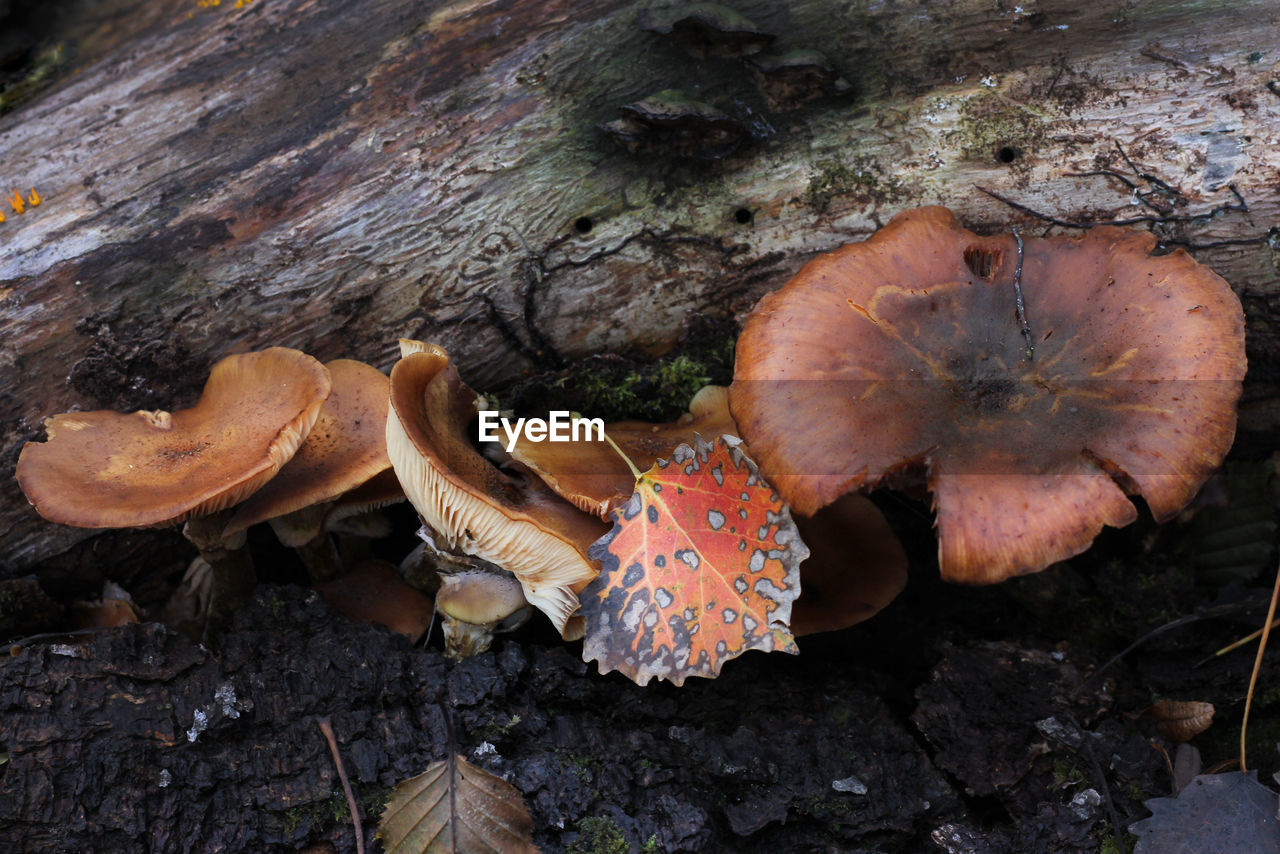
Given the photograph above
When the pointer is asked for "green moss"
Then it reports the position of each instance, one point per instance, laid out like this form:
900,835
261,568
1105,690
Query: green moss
496,730
598,834
1108,845
1067,775
650,845
373,800
294,817
861,180
658,393
334,810
830,811
615,387
1269,697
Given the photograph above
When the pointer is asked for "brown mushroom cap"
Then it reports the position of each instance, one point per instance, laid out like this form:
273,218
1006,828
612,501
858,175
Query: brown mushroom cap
906,351
378,491
346,447
112,470
592,475
510,518
374,592
856,566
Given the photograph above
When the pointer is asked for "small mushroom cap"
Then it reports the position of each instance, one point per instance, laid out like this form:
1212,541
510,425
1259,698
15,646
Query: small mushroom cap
346,447
476,603
592,475
375,592
112,470
856,566
479,596
905,352
508,517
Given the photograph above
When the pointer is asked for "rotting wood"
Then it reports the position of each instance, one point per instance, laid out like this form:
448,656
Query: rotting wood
331,176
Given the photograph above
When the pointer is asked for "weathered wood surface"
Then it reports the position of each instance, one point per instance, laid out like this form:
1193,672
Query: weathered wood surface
333,175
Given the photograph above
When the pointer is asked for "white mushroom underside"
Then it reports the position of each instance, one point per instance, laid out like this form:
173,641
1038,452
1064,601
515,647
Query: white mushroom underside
546,566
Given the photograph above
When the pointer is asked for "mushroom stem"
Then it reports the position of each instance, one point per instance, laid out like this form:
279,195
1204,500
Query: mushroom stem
304,532
231,565
474,598
320,558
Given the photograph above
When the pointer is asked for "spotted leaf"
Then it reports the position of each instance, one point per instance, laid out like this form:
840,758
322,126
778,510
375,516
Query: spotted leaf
702,564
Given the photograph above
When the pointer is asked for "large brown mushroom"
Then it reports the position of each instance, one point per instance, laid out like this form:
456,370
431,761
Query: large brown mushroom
508,517
1035,381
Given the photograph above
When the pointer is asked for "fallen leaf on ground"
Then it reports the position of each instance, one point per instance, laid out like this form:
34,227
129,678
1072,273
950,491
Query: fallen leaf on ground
1225,813
453,807
702,564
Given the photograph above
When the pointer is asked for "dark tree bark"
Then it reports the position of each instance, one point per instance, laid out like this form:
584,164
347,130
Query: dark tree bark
136,739
334,175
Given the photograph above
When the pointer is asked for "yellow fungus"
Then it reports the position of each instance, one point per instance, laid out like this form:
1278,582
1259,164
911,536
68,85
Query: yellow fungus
17,203
33,198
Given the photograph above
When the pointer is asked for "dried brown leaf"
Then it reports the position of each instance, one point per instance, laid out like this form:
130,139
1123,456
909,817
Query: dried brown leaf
1179,720
454,807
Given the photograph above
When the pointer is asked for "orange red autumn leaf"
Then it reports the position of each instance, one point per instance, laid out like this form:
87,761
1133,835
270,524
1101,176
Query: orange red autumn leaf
702,564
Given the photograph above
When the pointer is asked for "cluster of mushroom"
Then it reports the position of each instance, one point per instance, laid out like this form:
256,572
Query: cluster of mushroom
536,511
276,436
1034,383
323,441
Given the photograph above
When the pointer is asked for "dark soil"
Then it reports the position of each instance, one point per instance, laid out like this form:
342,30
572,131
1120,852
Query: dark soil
959,720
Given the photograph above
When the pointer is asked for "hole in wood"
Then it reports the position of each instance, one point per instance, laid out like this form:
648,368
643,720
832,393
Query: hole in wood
1006,154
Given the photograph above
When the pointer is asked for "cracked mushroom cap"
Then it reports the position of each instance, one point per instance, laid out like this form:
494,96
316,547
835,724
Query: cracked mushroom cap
591,475
113,470
345,449
508,517
905,353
